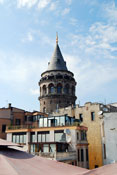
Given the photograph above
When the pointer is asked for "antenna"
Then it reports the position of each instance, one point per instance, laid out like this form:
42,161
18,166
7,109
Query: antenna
105,101
56,37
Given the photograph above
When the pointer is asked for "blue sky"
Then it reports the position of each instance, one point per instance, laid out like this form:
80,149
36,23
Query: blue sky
87,37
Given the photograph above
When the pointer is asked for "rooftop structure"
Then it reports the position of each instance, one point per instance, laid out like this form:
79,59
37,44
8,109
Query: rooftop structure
60,138
15,116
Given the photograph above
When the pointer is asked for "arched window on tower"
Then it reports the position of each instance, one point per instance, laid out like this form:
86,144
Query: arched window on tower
44,90
51,88
59,88
73,90
66,89
44,109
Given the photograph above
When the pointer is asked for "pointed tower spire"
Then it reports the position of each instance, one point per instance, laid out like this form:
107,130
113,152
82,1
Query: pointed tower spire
57,61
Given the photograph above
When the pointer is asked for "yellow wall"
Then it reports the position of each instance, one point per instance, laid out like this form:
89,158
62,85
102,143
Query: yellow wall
93,133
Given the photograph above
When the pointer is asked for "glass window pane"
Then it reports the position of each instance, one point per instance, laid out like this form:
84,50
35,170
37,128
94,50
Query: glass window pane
45,122
14,138
24,138
57,121
49,123
82,155
52,148
33,137
62,121
58,137
41,122
47,137
21,138
67,120
32,148
43,138
17,138
45,148
39,137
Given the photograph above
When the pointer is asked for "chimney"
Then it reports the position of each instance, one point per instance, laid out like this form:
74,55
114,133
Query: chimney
9,105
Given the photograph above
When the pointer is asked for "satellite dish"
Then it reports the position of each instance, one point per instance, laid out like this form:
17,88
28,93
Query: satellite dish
68,132
68,139
100,112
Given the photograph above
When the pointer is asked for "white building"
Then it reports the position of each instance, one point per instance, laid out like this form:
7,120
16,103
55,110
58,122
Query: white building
109,137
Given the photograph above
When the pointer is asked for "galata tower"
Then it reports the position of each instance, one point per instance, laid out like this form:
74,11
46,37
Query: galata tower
57,84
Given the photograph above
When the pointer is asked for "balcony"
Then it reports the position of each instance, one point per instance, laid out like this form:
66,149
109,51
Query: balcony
59,156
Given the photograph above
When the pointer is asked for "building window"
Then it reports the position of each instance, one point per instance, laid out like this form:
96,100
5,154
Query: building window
96,166
32,148
81,117
44,109
43,136
52,148
45,148
62,121
82,155
59,88
3,128
66,89
78,155
59,136
87,156
18,122
77,135
51,88
44,90
19,138
92,116
83,135
33,137
104,151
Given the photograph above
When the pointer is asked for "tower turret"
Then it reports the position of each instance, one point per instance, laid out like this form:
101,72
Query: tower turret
57,84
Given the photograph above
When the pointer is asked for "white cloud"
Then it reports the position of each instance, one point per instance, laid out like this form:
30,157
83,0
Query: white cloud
34,91
100,41
90,75
91,3
20,70
1,1
65,11
43,3
53,5
69,2
26,3
110,11
29,37
73,21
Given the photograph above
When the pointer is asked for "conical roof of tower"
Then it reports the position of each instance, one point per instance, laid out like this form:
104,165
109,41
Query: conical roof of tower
57,61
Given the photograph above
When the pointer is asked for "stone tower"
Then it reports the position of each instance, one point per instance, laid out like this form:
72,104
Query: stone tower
57,84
